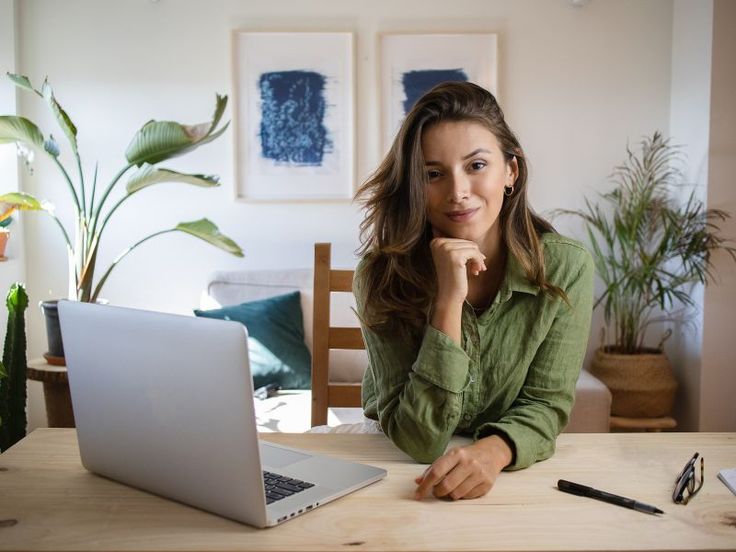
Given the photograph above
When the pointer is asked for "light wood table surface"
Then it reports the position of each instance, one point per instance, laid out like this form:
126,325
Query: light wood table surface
49,502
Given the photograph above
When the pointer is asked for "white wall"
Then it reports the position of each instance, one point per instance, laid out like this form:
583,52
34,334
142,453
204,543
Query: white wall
690,127
718,380
575,83
13,269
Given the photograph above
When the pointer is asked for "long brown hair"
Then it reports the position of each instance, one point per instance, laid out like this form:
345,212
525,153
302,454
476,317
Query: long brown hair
398,277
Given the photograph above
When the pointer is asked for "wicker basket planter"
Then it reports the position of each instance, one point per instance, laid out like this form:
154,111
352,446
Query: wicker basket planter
642,385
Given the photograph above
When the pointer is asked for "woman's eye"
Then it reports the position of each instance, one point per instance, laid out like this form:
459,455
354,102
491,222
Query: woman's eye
477,165
432,174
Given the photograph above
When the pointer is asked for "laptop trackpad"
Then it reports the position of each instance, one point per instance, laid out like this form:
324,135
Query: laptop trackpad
275,457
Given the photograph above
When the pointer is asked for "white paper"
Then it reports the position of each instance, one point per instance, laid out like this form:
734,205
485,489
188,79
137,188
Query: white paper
728,476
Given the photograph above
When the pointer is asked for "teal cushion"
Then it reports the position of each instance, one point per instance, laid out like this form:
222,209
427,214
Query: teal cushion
275,339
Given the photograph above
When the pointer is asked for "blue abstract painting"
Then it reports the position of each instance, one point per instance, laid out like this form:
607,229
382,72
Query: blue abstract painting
293,105
416,83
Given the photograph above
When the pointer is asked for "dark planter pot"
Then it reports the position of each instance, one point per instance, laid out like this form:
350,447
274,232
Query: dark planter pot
53,330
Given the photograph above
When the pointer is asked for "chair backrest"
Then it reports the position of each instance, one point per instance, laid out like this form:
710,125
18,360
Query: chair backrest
325,337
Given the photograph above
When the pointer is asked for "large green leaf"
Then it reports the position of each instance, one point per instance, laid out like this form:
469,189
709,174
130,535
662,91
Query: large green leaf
21,81
206,230
160,140
220,104
19,129
148,175
18,200
61,116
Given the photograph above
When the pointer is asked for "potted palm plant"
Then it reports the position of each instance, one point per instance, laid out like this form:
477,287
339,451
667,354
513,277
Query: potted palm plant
649,250
155,142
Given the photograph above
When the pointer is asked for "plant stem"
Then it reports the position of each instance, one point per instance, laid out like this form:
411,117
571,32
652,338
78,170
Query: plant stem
120,257
90,235
114,208
63,230
96,214
69,182
94,189
81,184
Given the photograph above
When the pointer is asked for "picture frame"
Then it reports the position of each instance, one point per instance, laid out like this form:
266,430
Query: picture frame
294,114
412,63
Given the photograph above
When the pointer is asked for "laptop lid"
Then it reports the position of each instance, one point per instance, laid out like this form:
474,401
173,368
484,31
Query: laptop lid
164,402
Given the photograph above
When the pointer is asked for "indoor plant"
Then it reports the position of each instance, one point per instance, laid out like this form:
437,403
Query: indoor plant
13,370
649,249
155,142
4,235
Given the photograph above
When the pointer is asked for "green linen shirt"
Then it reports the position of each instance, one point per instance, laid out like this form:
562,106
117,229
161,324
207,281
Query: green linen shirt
514,375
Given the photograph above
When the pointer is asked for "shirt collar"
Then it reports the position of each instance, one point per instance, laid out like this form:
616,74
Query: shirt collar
515,280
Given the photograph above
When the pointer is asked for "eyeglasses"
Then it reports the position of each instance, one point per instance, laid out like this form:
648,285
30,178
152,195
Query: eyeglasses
686,481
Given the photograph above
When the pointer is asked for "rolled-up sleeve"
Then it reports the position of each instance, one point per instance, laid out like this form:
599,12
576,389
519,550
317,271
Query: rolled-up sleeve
414,385
542,407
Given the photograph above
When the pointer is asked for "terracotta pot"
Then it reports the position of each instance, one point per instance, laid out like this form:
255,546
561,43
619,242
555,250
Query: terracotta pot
642,385
4,236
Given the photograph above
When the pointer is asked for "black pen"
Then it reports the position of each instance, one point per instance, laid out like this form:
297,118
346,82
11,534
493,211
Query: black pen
590,492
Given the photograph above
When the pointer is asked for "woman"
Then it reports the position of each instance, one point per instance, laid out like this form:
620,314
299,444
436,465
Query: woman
475,313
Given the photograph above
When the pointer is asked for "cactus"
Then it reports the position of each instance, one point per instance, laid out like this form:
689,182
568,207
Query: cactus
13,371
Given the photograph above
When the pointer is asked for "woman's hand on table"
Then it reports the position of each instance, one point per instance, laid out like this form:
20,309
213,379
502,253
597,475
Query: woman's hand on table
465,472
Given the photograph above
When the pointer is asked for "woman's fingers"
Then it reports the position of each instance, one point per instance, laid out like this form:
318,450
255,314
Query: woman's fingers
479,490
450,485
433,475
461,472
460,253
467,488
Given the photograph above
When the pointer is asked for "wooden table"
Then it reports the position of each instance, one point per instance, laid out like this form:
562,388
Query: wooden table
48,501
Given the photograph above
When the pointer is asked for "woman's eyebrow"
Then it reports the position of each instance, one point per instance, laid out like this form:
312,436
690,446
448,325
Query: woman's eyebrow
476,152
471,154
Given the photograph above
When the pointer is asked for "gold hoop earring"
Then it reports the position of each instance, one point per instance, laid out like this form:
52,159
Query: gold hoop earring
508,190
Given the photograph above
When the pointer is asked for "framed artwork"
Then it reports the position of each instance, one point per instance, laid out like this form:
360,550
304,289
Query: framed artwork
294,115
411,64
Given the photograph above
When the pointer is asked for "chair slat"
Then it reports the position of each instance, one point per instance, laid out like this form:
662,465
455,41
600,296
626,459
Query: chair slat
344,395
345,338
341,280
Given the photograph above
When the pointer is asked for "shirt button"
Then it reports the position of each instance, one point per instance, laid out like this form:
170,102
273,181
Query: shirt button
467,417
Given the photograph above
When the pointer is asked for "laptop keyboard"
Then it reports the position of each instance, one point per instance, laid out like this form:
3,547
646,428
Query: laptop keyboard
280,486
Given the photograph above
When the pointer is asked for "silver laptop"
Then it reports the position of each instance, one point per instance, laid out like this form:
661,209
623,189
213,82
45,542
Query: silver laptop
164,403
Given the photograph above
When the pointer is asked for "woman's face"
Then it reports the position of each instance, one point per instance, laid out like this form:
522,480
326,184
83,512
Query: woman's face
467,173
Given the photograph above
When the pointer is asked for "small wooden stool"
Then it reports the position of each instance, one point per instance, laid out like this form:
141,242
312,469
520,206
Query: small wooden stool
645,424
55,391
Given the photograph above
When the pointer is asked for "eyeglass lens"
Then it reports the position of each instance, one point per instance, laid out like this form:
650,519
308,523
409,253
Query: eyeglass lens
687,481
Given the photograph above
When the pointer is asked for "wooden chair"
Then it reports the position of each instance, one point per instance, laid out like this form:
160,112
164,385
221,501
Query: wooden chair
325,337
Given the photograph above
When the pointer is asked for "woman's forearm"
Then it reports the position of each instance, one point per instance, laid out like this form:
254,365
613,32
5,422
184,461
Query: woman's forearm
447,318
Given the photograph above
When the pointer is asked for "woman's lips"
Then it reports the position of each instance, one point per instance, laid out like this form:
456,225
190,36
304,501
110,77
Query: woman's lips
462,216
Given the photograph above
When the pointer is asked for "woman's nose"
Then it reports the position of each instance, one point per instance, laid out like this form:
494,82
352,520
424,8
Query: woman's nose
459,188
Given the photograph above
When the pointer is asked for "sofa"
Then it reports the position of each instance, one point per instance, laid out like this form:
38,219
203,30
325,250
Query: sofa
290,411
